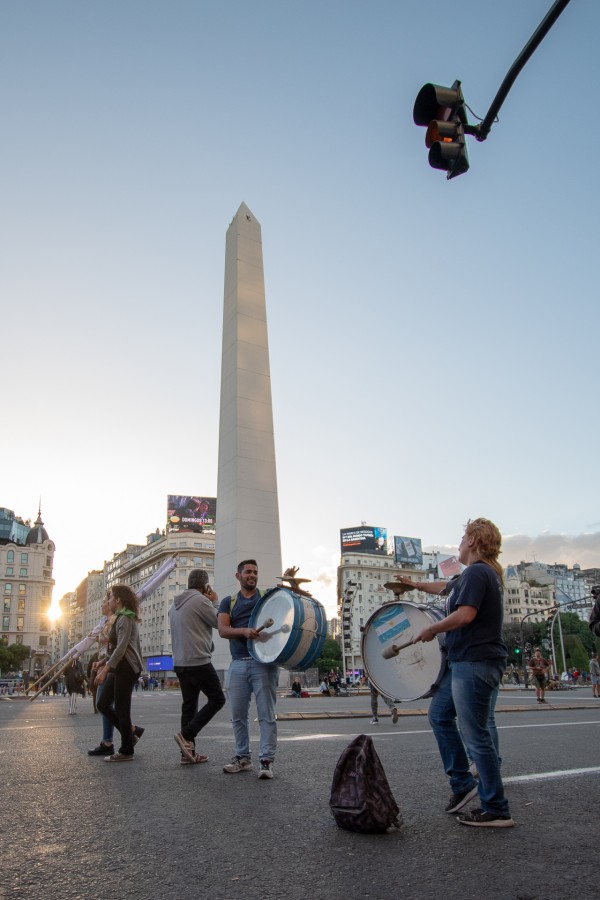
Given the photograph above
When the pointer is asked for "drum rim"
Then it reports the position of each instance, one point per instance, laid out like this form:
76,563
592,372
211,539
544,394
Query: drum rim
296,632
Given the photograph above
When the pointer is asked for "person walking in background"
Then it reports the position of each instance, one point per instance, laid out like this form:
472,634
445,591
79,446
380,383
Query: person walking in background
192,618
125,665
595,675
74,681
476,663
247,676
389,703
539,669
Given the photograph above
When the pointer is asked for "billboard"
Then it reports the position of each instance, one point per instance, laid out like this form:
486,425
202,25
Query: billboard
408,551
159,663
449,567
191,513
364,539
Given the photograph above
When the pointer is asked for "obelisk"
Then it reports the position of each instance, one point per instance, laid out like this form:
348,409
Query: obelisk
247,503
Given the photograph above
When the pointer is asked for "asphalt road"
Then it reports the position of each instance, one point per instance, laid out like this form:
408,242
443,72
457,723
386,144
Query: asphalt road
72,826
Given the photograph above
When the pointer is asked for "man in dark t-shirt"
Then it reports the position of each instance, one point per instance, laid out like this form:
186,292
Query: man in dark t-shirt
476,661
539,669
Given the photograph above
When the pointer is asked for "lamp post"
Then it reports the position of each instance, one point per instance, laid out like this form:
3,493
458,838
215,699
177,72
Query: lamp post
347,598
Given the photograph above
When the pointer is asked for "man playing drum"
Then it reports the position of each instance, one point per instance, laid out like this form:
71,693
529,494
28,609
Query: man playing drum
248,676
477,659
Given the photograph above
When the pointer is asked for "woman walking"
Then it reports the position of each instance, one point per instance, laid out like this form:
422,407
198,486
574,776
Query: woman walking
124,665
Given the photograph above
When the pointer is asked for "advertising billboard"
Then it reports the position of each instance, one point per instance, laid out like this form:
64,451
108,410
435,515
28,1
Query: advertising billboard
449,567
191,513
364,539
159,663
408,551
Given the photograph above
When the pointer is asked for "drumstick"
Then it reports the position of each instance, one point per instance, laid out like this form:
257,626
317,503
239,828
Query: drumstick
394,650
266,624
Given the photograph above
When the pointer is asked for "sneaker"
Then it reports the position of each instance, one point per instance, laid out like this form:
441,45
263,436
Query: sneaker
238,764
198,758
137,733
119,757
457,801
187,747
374,721
101,750
485,819
394,716
266,769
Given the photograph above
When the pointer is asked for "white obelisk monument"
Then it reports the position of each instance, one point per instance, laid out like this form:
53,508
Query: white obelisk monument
247,504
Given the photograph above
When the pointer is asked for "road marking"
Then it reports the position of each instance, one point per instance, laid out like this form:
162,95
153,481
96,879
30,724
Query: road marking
332,736
559,773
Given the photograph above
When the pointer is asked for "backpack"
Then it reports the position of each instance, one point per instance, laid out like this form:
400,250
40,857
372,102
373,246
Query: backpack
361,799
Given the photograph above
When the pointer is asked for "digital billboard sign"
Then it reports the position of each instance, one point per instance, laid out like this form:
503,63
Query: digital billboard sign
191,513
408,551
159,663
364,539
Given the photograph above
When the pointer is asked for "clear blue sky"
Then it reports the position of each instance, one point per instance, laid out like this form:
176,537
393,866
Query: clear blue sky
434,344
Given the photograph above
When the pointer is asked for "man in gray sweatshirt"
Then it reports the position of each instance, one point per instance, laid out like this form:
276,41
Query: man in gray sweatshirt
192,618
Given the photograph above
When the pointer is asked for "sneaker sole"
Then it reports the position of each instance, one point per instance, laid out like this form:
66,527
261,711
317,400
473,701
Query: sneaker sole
466,799
496,823
182,744
264,776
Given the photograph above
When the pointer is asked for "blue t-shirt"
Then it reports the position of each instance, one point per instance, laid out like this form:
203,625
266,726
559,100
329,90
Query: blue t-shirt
479,586
240,617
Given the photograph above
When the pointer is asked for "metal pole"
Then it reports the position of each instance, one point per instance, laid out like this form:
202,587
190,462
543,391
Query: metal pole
482,130
562,643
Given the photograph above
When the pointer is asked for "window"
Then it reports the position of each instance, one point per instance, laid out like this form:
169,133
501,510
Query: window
20,623
9,570
8,588
24,558
23,573
21,606
10,556
7,604
48,561
22,589
43,641
6,621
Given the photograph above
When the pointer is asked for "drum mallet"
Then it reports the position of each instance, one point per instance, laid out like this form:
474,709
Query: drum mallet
266,624
394,650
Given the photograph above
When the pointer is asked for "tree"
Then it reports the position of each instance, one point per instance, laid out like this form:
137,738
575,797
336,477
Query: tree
12,657
331,656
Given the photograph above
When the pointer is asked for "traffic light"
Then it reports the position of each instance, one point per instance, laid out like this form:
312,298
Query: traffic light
517,650
442,110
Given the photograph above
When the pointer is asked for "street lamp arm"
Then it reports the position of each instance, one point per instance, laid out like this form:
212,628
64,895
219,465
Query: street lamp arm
482,130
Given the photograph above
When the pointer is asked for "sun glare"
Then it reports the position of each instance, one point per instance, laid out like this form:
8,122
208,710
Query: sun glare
54,612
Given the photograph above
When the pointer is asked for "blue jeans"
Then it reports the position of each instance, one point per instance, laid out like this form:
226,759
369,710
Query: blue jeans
467,690
107,726
473,686
247,677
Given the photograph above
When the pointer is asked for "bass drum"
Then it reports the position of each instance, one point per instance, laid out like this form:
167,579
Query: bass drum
416,671
296,637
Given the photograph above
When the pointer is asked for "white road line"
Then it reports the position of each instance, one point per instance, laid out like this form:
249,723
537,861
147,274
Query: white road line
333,736
560,773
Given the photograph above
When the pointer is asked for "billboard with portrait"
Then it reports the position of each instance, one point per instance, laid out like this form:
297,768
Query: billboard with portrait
408,551
195,513
449,567
364,539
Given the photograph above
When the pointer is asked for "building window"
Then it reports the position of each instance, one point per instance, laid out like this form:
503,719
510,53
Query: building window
43,641
9,570
22,589
10,556
18,638
23,573
21,606
6,621
8,588
7,604
24,557
48,560
20,623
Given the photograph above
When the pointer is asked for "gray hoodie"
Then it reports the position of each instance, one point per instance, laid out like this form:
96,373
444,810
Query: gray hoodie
192,618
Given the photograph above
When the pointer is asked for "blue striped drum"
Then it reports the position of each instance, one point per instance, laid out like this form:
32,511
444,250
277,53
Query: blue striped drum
296,637
414,672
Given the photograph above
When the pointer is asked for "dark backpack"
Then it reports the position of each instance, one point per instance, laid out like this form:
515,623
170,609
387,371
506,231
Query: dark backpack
361,799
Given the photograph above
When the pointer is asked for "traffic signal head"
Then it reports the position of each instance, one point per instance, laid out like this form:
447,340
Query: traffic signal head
517,650
442,110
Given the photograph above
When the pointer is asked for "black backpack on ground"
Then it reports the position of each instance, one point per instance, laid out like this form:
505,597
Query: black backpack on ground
361,799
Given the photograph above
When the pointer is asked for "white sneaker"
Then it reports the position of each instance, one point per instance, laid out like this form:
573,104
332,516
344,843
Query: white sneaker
374,721
266,769
238,764
394,716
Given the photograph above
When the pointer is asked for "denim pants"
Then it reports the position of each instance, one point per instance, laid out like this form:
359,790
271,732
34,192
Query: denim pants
468,690
119,691
247,677
107,726
192,680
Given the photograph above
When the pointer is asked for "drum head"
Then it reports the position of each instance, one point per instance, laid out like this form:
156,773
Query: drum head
277,604
414,671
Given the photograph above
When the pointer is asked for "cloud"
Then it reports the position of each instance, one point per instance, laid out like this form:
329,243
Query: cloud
583,549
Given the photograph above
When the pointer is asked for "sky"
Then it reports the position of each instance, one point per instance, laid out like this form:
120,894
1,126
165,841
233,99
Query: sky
433,343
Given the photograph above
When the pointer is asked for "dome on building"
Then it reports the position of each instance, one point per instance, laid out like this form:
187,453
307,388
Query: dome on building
37,534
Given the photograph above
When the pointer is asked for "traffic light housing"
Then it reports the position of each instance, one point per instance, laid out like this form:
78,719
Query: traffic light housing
442,110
